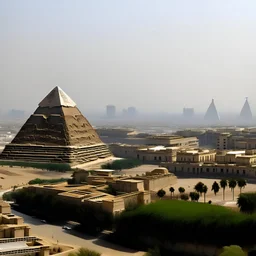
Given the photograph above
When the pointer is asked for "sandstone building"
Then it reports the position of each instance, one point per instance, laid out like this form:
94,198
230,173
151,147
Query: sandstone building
15,238
56,132
240,163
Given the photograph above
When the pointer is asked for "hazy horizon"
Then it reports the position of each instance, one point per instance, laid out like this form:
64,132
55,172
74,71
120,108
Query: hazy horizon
158,56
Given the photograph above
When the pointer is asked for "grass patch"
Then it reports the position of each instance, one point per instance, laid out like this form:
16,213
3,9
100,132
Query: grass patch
122,164
43,166
179,221
45,181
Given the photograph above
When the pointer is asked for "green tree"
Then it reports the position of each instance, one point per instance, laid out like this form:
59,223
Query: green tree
172,191
161,193
215,187
181,190
199,188
205,189
232,250
241,183
223,184
232,184
184,197
194,196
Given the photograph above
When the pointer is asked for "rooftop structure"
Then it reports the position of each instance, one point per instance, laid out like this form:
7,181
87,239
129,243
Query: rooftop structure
56,132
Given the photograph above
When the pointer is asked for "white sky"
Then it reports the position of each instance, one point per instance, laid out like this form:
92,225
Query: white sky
157,55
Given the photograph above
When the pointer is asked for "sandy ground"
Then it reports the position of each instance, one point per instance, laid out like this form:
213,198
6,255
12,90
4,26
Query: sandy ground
189,183
10,176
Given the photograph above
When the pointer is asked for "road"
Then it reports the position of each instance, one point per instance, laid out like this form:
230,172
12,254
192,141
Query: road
54,232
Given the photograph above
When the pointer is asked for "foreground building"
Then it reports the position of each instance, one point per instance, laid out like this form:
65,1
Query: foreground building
15,238
56,132
90,188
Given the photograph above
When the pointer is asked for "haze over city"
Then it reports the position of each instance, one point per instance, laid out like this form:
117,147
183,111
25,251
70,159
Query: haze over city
156,56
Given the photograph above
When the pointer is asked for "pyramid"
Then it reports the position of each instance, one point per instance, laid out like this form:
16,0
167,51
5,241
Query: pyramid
246,113
56,132
211,114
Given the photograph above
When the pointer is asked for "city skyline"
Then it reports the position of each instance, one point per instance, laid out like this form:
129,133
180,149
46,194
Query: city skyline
157,57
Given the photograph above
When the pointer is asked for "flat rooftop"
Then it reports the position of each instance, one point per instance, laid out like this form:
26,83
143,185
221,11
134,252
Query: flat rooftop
236,152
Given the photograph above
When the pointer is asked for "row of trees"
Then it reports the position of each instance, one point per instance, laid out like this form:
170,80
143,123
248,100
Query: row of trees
202,189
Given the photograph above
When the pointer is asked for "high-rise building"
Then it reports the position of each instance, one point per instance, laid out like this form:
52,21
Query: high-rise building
110,111
131,111
246,113
211,115
188,112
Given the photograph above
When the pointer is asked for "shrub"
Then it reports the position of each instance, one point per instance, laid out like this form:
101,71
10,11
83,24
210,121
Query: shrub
184,197
8,196
247,202
232,250
187,222
45,181
122,164
85,252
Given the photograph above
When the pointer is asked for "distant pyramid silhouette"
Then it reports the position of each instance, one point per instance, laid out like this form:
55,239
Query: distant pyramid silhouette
246,113
211,114
56,132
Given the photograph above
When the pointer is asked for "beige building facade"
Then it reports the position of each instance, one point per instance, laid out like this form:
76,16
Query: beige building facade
238,163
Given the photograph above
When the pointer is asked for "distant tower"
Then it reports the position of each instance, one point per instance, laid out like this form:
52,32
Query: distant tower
211,114
246,113
188,112
111,111
131,111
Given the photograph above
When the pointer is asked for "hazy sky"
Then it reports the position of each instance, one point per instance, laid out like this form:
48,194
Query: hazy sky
154,54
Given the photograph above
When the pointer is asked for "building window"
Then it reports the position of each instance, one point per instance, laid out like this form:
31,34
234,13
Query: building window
221,170
237,171
138,156
213,169
207,169
243,171
201,169
188,169
227,171
193,170
160,158
155,158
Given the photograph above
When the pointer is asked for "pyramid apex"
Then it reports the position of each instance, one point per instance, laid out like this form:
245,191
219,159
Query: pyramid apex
57,98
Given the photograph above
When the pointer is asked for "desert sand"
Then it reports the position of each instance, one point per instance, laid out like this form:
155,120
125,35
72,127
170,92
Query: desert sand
17,176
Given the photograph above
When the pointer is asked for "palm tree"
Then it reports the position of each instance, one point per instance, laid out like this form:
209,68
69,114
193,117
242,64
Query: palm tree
172,191
199,187
205,189
241,183
181,190
161,193
223,184
215,187
232,184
